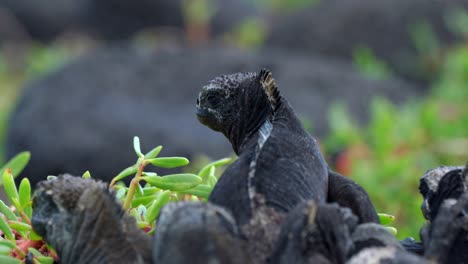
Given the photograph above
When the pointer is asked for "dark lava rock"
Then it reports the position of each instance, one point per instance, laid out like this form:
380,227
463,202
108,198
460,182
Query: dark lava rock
440,184
385,255
413,246
46,19
374,244
447,238
338,27
315,233
84,116
197,233
445,205
116,19
328,233
373,235
81,219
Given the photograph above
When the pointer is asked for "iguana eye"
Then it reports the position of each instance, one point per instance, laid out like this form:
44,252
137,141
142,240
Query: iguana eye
213,100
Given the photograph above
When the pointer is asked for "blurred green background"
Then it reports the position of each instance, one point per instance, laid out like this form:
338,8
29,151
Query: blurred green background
387,156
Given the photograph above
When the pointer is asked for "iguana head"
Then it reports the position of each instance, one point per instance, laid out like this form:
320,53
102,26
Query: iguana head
236,105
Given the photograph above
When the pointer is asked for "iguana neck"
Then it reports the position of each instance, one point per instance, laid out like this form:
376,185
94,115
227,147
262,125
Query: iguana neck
241,138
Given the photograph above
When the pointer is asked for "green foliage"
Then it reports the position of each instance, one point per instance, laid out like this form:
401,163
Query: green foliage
198,11
16,69
16,164
15,225
424,38
400,143
41,60
285,5
143,202
250,33
369,65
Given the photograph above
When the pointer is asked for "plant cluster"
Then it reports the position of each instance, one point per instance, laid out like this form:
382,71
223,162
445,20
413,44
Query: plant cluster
400,143
19,242
143,198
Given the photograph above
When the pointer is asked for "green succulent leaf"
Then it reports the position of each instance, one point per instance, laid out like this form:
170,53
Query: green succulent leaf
19,226
150,190
9,260
169,162
174,182
143,224
7,243
153,153
392,230
4,250
125,173
51,177
5,210
120,193
145,200
386,219
39,257
6,230
35,252
34,236
86,175
133,212
140,190
155,207
205,171
24,193
141,209
28,210
45,260
212,180
136,147
16,164
201,190
10,188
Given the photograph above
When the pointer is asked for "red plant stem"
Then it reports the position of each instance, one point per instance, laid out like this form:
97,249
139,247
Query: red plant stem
19,251
133,185
25,218
29,244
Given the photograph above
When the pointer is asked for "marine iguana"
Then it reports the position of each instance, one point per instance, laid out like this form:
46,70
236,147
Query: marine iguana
445,206
315,233
81,219
279,164
197,233
328,233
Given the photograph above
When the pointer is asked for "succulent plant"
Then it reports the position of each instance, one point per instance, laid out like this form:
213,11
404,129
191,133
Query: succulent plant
65,204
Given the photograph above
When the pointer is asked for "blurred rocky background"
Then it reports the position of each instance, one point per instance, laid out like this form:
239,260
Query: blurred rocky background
382,84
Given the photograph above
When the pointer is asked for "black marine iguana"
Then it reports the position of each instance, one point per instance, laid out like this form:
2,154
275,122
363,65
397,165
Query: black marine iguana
197,233
82,220
278,160
279,164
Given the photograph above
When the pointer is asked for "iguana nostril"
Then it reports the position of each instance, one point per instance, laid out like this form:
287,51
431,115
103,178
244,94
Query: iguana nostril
198,102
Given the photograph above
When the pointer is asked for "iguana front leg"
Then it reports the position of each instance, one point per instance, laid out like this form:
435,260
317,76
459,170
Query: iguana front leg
349,194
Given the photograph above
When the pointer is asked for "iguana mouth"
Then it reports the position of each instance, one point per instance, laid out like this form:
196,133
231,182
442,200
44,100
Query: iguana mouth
206,116
203,114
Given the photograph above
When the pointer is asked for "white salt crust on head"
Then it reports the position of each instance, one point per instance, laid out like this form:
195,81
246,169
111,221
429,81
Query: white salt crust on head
373,255
433,177
228,80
